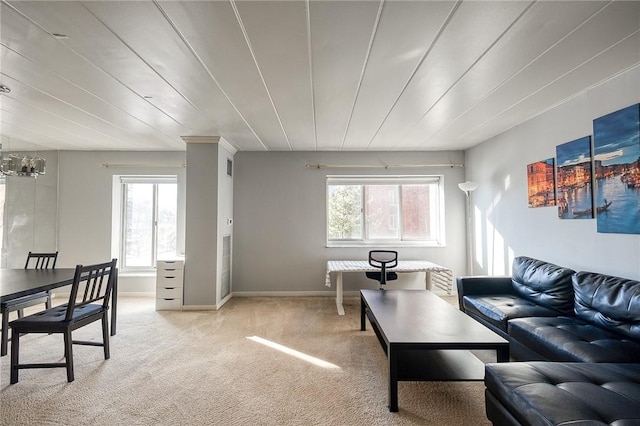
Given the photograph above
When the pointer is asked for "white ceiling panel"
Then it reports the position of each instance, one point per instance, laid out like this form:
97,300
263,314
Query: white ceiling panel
404,35
570,53
510,55
277,32
143,27
340,37
160,52
95,44
52,128
52,134
457,49
596,70
42,100
299,74
215,35
63,91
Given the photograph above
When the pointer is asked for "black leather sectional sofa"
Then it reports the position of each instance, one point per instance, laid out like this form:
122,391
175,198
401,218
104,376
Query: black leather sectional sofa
563,393
578,334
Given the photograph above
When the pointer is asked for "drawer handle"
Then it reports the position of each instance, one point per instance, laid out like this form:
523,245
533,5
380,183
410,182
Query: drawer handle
168,299
169,288
169,277
170,269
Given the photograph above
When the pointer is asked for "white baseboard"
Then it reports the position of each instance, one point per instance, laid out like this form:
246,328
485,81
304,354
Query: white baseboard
328,293
285,293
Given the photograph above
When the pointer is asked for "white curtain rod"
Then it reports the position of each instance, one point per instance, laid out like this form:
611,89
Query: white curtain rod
378,166
140,165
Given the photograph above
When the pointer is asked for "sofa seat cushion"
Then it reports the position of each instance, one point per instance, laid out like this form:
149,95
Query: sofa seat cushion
571,339
499,309
549,393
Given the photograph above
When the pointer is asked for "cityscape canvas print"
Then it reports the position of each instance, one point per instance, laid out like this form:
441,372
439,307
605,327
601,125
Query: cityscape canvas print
617,171
575,195
541,183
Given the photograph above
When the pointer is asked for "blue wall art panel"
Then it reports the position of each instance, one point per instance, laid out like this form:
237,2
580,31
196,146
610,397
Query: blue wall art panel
617,171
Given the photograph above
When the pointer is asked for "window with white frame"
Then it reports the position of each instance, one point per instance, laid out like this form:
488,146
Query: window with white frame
148,221
385,210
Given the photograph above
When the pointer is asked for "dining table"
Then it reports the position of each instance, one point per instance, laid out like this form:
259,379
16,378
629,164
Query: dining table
15,283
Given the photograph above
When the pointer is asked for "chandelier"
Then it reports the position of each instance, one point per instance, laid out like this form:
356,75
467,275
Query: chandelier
22,165
15,164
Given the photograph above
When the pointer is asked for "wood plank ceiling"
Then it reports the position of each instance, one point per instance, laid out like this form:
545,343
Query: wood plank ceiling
299,75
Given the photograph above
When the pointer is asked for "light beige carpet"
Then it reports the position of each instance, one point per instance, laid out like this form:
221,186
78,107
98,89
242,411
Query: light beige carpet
205,368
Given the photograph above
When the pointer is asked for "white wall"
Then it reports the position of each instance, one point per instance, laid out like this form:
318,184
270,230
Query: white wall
279,207
85,205
280,219
506,227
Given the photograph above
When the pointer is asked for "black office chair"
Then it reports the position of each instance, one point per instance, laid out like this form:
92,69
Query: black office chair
383,259
37,261
91,284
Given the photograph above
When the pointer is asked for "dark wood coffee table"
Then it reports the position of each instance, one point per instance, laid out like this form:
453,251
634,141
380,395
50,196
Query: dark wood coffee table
425,338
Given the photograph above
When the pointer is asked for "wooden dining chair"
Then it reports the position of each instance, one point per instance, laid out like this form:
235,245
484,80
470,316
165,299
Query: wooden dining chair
88,302
34,261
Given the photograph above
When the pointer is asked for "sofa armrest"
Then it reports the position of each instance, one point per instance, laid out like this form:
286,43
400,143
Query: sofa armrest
482,285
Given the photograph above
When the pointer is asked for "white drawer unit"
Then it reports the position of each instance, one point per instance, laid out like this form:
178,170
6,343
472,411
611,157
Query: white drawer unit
169,283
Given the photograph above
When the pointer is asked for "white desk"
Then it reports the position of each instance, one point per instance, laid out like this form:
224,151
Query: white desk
436,275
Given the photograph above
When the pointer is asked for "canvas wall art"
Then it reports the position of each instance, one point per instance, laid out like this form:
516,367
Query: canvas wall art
617,171
541,183
573,175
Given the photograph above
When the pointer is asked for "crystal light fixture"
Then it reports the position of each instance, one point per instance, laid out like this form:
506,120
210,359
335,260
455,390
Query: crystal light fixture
17,164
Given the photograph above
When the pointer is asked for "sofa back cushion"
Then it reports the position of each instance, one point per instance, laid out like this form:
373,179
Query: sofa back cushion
608,302
543,283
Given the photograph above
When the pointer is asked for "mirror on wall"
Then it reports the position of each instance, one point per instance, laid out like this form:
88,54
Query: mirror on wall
28,204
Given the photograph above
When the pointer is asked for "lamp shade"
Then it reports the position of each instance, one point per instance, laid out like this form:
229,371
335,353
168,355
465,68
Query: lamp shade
468,186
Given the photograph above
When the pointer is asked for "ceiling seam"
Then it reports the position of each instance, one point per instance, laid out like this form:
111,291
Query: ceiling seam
255,61
61,117
64,141
362,72
73,106
415,69
86,91
146,63
478,59
43,29
213,78
512,76
554,81
556,104
83,90
313,95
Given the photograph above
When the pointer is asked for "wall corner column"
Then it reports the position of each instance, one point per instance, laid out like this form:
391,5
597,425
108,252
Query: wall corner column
201,217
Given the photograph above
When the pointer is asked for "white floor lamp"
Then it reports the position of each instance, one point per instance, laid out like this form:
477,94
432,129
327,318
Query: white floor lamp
468,187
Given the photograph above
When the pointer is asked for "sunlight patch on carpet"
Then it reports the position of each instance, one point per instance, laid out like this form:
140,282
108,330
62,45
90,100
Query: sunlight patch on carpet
293,352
